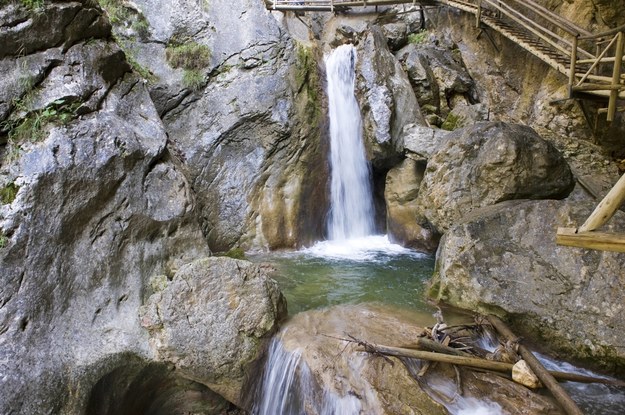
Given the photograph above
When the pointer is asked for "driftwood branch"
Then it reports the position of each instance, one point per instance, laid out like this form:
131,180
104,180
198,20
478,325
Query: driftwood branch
479,363
545,377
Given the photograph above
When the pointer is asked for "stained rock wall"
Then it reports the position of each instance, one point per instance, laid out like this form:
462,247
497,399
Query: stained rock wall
93,206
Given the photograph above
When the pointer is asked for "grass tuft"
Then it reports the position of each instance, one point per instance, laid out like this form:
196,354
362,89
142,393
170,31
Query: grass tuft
418,38
190,55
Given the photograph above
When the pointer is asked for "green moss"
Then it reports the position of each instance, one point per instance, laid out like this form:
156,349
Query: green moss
418,38
4,241
8,193
235,253
307,82
144,72
189,55
451,122
121,14
193,79
35,5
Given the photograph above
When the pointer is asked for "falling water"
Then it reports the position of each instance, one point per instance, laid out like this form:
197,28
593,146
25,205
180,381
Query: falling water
351,209
287,388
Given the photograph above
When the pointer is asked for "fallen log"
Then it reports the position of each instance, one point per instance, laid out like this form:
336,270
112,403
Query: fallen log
545,377
423,343
480,363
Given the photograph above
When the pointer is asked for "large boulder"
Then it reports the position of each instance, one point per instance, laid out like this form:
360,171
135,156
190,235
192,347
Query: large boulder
504,259
248,128
486,164
210,320
438,75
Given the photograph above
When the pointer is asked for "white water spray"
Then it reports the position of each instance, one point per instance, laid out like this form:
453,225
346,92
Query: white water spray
351,209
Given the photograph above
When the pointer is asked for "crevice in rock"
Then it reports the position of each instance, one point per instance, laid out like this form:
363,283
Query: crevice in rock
140,388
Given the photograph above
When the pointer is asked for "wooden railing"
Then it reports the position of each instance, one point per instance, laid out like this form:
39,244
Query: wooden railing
595,62
592,63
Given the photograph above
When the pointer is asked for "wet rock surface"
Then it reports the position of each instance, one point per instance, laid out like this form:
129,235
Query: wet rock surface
504,259
248,132
342,374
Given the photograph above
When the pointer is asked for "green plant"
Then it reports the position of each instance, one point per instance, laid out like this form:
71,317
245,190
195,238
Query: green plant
4,241
120,13
190,55
36,5
418,38
193,79
8,193
31,126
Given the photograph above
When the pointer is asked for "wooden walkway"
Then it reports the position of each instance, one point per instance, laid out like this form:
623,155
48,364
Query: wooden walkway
592,63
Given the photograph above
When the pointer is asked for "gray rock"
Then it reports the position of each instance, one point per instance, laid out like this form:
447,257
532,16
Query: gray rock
211,320
465,115
438,76
404,224
258,108
486,164
504,259
396,35
387,101
102,214
421,142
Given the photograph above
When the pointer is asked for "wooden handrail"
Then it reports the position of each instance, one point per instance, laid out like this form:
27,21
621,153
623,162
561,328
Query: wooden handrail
564,24
604,34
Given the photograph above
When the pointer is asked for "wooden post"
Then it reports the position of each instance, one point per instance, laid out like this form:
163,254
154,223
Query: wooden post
539,370
478,15
616,76
573,65
606,208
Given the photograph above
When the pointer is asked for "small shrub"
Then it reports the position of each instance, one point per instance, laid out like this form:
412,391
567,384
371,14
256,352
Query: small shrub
8,193
193,79
189,56
418,38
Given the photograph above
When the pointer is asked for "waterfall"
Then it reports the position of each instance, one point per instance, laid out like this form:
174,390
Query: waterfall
287,388
351,202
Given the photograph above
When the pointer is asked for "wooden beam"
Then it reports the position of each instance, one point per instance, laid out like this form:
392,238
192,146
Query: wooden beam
601,241
616,76
606,208
539,370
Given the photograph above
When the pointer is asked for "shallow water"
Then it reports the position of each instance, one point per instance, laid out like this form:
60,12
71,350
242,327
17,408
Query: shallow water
362,270
371,270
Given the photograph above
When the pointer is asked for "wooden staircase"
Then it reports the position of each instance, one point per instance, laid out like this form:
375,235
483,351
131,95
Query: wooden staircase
596,75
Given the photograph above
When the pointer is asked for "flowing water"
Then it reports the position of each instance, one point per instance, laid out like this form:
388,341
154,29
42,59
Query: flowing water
356,267
351,200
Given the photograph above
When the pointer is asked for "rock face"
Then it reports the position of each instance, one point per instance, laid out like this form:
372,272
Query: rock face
330,376
486,164
214,343
93,204
386,98
438,76
403,224
249,130
504,260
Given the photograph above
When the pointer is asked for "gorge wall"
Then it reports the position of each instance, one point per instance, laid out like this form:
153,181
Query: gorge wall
138,139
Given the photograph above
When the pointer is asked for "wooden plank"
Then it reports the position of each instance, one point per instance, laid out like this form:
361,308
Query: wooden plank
606,208
539,370
597,87
601,241
616,77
